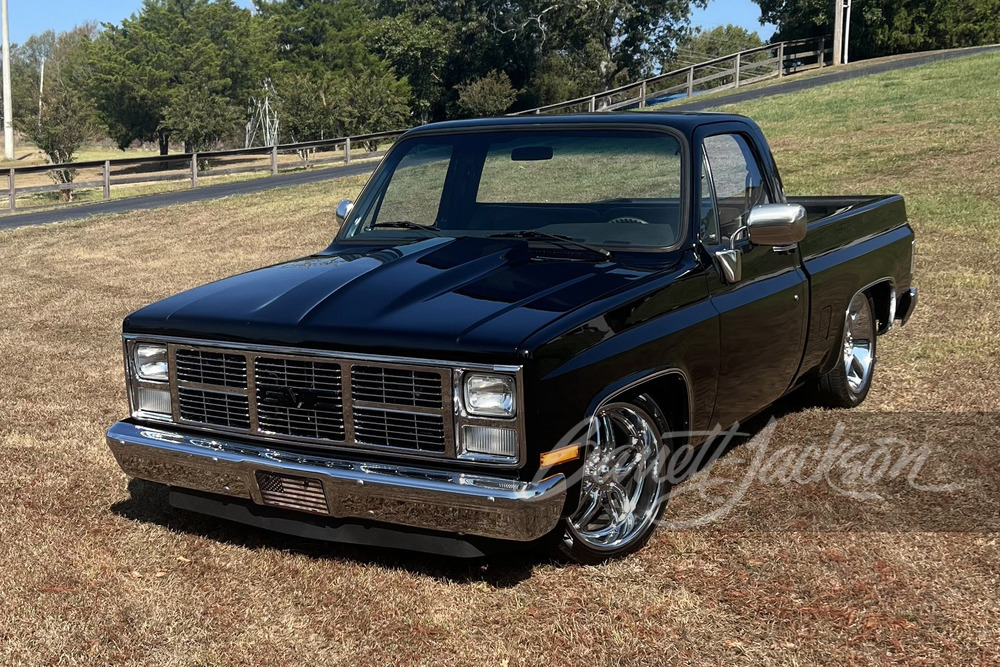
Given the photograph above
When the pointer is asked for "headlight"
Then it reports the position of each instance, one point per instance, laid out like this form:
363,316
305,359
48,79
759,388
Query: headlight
151,362
490,395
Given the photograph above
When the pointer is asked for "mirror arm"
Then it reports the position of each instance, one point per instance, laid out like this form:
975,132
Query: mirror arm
745,229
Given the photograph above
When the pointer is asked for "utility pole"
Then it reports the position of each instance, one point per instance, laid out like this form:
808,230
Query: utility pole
8,106
838,31
847,31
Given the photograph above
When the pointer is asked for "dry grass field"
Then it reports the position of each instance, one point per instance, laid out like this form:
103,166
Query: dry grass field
797,574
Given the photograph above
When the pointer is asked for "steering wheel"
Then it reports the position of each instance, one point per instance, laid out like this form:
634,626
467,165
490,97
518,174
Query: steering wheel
627,220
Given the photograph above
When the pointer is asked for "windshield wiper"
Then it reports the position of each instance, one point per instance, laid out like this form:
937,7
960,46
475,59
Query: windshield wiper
406,224
557,239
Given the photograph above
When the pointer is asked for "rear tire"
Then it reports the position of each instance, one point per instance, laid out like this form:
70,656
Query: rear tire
623,487
847,385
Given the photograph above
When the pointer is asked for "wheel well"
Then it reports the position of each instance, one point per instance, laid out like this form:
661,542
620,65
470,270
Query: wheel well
670,393
881,295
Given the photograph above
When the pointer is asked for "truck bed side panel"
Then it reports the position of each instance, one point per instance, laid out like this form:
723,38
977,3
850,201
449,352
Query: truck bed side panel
847,251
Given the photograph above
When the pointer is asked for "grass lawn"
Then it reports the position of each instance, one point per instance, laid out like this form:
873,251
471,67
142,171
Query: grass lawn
92,576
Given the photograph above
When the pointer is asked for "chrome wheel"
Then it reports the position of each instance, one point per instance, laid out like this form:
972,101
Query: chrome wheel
622,486
859,335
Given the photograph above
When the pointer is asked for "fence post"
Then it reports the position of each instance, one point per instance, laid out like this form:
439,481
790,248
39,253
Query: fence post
347,151
642,95
12,190
738,69
107,180
593,104
781,59
822,51
194,170
274,160
690,90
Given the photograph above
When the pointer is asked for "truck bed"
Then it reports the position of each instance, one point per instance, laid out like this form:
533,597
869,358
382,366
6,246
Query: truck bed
851,243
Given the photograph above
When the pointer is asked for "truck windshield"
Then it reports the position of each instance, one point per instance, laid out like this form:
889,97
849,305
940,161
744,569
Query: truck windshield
605,188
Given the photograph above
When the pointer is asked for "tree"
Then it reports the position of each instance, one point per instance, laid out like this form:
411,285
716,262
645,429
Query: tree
617,39
315,37
720,41
327,106
329,82
375,102
309,107
489,96
701,46
549,49
439,45
27,63
418,50
886,27
181,69
62,118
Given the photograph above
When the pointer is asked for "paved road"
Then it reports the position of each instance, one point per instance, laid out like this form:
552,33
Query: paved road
315,176
796,84
205,193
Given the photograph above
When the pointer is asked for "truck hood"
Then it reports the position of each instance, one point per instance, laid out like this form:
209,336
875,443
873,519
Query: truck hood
455,298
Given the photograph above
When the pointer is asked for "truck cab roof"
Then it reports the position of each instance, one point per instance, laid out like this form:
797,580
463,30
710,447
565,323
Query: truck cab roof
686,122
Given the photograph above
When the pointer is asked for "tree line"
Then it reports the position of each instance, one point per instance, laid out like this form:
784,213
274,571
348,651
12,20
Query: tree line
184,72
889,27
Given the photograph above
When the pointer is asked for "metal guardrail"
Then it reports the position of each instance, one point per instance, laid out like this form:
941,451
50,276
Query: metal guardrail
104,174
726,72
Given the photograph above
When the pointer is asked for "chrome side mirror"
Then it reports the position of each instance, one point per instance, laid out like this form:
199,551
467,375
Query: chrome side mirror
344,209
776,224
767,224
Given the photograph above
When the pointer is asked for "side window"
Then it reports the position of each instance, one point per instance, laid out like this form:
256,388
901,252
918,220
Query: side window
414,193
737,178
709,221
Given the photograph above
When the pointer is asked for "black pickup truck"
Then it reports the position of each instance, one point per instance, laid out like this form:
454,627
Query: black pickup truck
516,325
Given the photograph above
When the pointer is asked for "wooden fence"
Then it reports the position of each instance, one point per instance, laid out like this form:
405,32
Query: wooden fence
102,175
732,71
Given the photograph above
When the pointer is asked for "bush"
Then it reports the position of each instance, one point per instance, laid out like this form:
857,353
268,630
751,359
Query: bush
490,96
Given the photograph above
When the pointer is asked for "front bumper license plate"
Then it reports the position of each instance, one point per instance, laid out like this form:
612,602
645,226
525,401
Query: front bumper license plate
304,494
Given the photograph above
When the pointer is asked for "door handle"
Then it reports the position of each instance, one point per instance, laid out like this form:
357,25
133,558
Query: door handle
785,249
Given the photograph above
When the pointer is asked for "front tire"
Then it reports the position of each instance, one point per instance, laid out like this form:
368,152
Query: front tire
623,487
847,385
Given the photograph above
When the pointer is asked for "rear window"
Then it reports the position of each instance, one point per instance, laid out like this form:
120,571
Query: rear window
582,169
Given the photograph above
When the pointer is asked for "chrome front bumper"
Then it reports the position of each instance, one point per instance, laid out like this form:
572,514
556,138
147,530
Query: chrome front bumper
464,503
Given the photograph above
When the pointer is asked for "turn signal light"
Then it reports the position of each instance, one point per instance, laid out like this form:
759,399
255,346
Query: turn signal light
557,456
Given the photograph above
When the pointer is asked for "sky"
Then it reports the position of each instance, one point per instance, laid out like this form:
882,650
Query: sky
28,17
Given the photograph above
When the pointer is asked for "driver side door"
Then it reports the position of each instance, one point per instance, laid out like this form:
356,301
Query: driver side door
762,316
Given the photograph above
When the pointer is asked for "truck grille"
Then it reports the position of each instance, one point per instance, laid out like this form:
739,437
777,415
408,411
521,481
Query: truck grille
213,407
396,386
215,368
299,398
316,401
399,429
